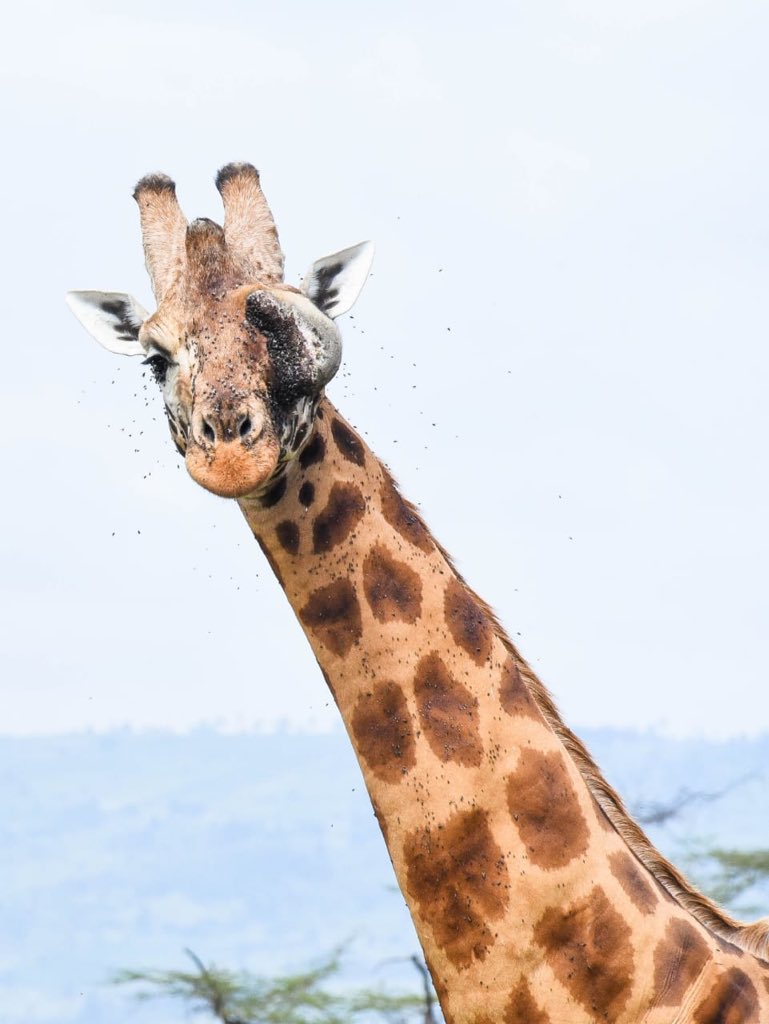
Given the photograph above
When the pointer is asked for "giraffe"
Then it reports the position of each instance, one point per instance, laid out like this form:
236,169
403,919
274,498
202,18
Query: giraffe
535,896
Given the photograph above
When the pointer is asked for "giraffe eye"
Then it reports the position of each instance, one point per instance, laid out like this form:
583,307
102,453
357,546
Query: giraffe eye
158,364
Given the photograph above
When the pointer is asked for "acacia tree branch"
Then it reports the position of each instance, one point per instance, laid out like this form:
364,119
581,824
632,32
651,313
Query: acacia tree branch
660,813
427,988
213,995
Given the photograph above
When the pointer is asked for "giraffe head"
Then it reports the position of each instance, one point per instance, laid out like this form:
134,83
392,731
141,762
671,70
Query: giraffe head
241,357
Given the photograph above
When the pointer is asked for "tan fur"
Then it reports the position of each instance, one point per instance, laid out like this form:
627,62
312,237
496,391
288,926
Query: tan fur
536,897
754,937
549,862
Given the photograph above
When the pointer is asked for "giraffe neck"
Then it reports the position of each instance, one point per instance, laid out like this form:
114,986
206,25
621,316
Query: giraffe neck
528,903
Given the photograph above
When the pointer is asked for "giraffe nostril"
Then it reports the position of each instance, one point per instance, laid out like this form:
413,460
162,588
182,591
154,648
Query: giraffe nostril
244,428
208,432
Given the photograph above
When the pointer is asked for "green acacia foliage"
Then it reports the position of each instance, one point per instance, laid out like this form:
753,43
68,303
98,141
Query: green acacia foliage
729,874
240,997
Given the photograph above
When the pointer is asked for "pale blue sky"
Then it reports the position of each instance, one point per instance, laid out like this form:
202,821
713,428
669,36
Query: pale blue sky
562,351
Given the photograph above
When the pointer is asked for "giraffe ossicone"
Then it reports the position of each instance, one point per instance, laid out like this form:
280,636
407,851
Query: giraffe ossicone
535,896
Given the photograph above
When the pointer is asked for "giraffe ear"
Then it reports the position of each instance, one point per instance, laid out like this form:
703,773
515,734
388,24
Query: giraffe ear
113,318
335,282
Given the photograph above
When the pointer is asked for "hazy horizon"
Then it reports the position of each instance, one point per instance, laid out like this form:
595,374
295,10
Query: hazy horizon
561,351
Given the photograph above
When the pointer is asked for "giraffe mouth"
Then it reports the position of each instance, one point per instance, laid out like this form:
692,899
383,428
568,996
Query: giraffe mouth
231,470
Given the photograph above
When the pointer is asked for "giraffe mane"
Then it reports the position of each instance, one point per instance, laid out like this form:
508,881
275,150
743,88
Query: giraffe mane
752,938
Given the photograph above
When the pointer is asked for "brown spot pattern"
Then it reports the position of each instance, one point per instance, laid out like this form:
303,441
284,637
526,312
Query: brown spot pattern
513,692
274,494
307,494
402,516
314,451
381,725
343,512
588,948
348,444
458,883
333,614
626,870
732,1000
679,959
288,536
546,810
522,1008
393,590
467,621
448,713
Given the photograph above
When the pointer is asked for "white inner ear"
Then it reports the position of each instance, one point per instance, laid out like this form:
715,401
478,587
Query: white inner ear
334,282
113,318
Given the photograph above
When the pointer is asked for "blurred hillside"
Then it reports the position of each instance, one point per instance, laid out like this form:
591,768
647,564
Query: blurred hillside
257,851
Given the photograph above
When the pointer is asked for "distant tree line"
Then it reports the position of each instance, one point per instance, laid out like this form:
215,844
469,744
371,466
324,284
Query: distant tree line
308,997
314,996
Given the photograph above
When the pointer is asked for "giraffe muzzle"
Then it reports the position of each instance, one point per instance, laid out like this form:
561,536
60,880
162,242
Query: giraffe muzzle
232,451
